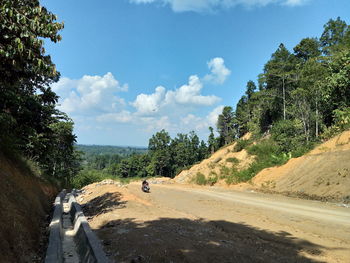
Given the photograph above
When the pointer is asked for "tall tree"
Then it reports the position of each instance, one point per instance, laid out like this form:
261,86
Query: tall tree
279,74
212,141
307,48
159,148
334,33
25,70
225,125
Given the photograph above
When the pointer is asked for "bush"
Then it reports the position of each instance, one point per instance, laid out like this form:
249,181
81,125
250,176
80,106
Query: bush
232,160
241,144
86,177
200,179
288,134
267,154
225,172
212,179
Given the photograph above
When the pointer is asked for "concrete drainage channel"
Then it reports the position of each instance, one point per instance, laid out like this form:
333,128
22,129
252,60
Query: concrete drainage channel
71,238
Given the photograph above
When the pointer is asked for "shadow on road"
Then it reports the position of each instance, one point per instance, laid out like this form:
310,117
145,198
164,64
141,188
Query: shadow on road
185,240
103,204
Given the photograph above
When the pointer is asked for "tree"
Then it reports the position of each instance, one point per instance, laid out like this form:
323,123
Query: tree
251,88
334,33
337,84
307,48
159,148
278,75
225,125
242,115
25,71
212,141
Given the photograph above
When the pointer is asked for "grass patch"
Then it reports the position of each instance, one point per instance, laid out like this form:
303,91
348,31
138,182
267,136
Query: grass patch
212,179
241,144
200,179
267,155
233,160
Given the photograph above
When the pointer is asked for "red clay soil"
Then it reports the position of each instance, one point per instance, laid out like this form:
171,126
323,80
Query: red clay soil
24,209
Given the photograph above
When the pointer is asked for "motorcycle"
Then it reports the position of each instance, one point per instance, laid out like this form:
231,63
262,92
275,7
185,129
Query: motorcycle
145,187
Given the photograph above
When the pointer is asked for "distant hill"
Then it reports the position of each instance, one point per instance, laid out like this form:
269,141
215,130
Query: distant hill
93,150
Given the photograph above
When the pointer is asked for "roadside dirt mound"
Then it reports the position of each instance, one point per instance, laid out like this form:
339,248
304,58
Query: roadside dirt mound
323,174
215,165
24,208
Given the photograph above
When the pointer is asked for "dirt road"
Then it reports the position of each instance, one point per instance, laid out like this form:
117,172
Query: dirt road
175,223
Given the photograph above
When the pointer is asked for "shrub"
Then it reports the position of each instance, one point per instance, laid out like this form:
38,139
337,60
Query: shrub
86,177
212,179
241,144
224,172
200,179
288,134
232,160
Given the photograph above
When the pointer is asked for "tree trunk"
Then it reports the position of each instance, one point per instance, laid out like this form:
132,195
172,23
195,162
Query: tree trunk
284,98
316,131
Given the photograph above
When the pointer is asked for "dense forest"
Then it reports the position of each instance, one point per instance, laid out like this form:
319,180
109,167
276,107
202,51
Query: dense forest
301,97
123,151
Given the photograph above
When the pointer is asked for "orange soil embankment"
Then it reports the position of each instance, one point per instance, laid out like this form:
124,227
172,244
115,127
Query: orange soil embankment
24,208
323,173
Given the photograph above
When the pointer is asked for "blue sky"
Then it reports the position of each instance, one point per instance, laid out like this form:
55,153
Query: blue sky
130,68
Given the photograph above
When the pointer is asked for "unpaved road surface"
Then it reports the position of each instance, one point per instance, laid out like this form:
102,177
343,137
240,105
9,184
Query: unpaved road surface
176,223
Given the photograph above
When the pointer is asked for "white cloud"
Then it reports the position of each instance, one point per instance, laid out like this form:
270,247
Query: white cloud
212,117
95,104
156,124
212,5
123,117
190,94
149,104
200,124
164,101
219,72
90,94
295,2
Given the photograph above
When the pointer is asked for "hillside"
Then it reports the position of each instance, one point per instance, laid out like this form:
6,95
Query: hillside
24,204
215,165
323,173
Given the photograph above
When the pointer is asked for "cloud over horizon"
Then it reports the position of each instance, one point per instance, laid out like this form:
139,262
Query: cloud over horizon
213,5
90,93
95,102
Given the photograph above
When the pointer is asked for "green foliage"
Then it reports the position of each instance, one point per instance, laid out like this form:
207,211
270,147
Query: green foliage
287,134
108,150
28,115
165,157
86,177
225,171
341,123
241,144
212,179
200,179
225,126
267,154
232,160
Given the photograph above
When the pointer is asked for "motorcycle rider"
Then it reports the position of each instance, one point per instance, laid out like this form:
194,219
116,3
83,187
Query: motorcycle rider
145,186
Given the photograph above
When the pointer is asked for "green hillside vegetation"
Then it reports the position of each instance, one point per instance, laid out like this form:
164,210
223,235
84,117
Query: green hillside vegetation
122,151
165,156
